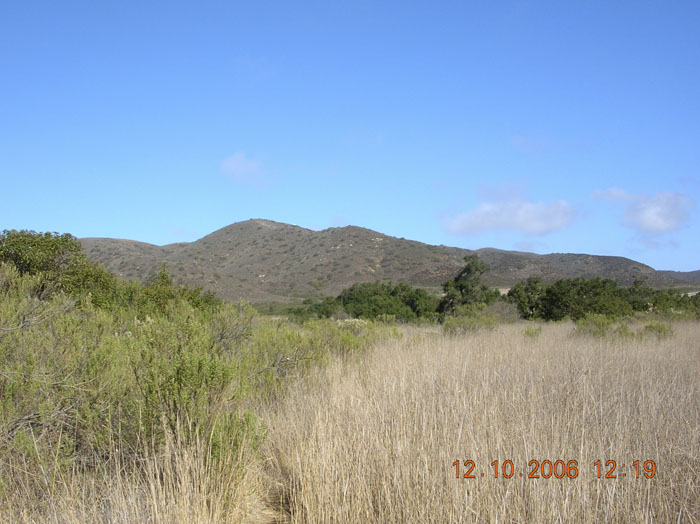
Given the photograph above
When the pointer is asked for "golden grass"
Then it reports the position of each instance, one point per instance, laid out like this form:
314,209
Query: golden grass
376,442
179,484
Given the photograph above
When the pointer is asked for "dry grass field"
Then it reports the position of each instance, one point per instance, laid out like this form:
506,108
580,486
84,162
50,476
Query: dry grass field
375,441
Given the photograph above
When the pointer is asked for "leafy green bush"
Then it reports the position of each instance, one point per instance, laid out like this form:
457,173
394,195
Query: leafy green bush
369,300
603,326
32,253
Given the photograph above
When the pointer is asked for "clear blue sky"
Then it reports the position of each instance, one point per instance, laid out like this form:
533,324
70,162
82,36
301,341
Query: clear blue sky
540,126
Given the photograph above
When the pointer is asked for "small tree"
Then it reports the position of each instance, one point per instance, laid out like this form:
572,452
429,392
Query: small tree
467,288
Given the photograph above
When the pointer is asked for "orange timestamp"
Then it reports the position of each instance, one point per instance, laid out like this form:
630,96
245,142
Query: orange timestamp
536,469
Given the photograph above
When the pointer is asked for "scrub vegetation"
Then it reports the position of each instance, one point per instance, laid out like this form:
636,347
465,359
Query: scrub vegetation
106,379
125,402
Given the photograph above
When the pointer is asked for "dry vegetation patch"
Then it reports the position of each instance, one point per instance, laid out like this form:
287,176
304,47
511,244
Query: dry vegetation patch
377,442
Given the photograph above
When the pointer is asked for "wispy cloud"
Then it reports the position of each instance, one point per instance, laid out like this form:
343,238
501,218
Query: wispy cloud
241,168
529,218
651,215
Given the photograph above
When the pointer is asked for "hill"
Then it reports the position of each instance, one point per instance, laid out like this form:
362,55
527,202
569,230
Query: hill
262,260
683,277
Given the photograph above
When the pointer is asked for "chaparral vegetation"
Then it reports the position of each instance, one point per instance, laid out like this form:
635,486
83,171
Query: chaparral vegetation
123,402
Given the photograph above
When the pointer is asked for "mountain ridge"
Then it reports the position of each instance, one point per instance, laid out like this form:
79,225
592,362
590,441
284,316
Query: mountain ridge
264,260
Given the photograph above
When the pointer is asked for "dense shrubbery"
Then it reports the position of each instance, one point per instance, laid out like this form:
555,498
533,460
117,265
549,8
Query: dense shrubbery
370,300
464,296
577,298
87,360
309,309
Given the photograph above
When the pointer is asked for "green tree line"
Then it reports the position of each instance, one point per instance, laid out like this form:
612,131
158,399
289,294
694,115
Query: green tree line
467,295
575,298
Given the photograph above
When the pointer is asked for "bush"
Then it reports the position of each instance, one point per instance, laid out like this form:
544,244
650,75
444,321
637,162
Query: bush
94,369
370,300
469,319
658,329
594,324
33,253
503,311
532,331
624,331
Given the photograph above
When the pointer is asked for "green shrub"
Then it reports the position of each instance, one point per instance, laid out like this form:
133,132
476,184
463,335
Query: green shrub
657,329
33,253
469,319
504,311
369,300
623,331
75,377
594,324
387,319
532,331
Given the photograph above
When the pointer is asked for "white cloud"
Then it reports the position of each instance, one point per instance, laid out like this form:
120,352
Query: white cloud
530,218
651,215
241,168
659,214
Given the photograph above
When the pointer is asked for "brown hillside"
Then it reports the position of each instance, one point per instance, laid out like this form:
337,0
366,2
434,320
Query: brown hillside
264,260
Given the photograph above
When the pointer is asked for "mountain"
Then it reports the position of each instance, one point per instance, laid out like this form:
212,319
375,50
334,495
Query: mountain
683,277
262,260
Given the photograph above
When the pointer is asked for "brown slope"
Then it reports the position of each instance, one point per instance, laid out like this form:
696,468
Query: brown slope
508,267
683,277
265,260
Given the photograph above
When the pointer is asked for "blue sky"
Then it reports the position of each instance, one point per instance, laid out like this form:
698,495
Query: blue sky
539,126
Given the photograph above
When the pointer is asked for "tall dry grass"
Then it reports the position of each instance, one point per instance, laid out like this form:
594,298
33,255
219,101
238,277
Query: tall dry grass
179,483
375,442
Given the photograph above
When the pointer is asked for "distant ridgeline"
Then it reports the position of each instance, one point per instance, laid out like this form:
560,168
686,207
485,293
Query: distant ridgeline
265,261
